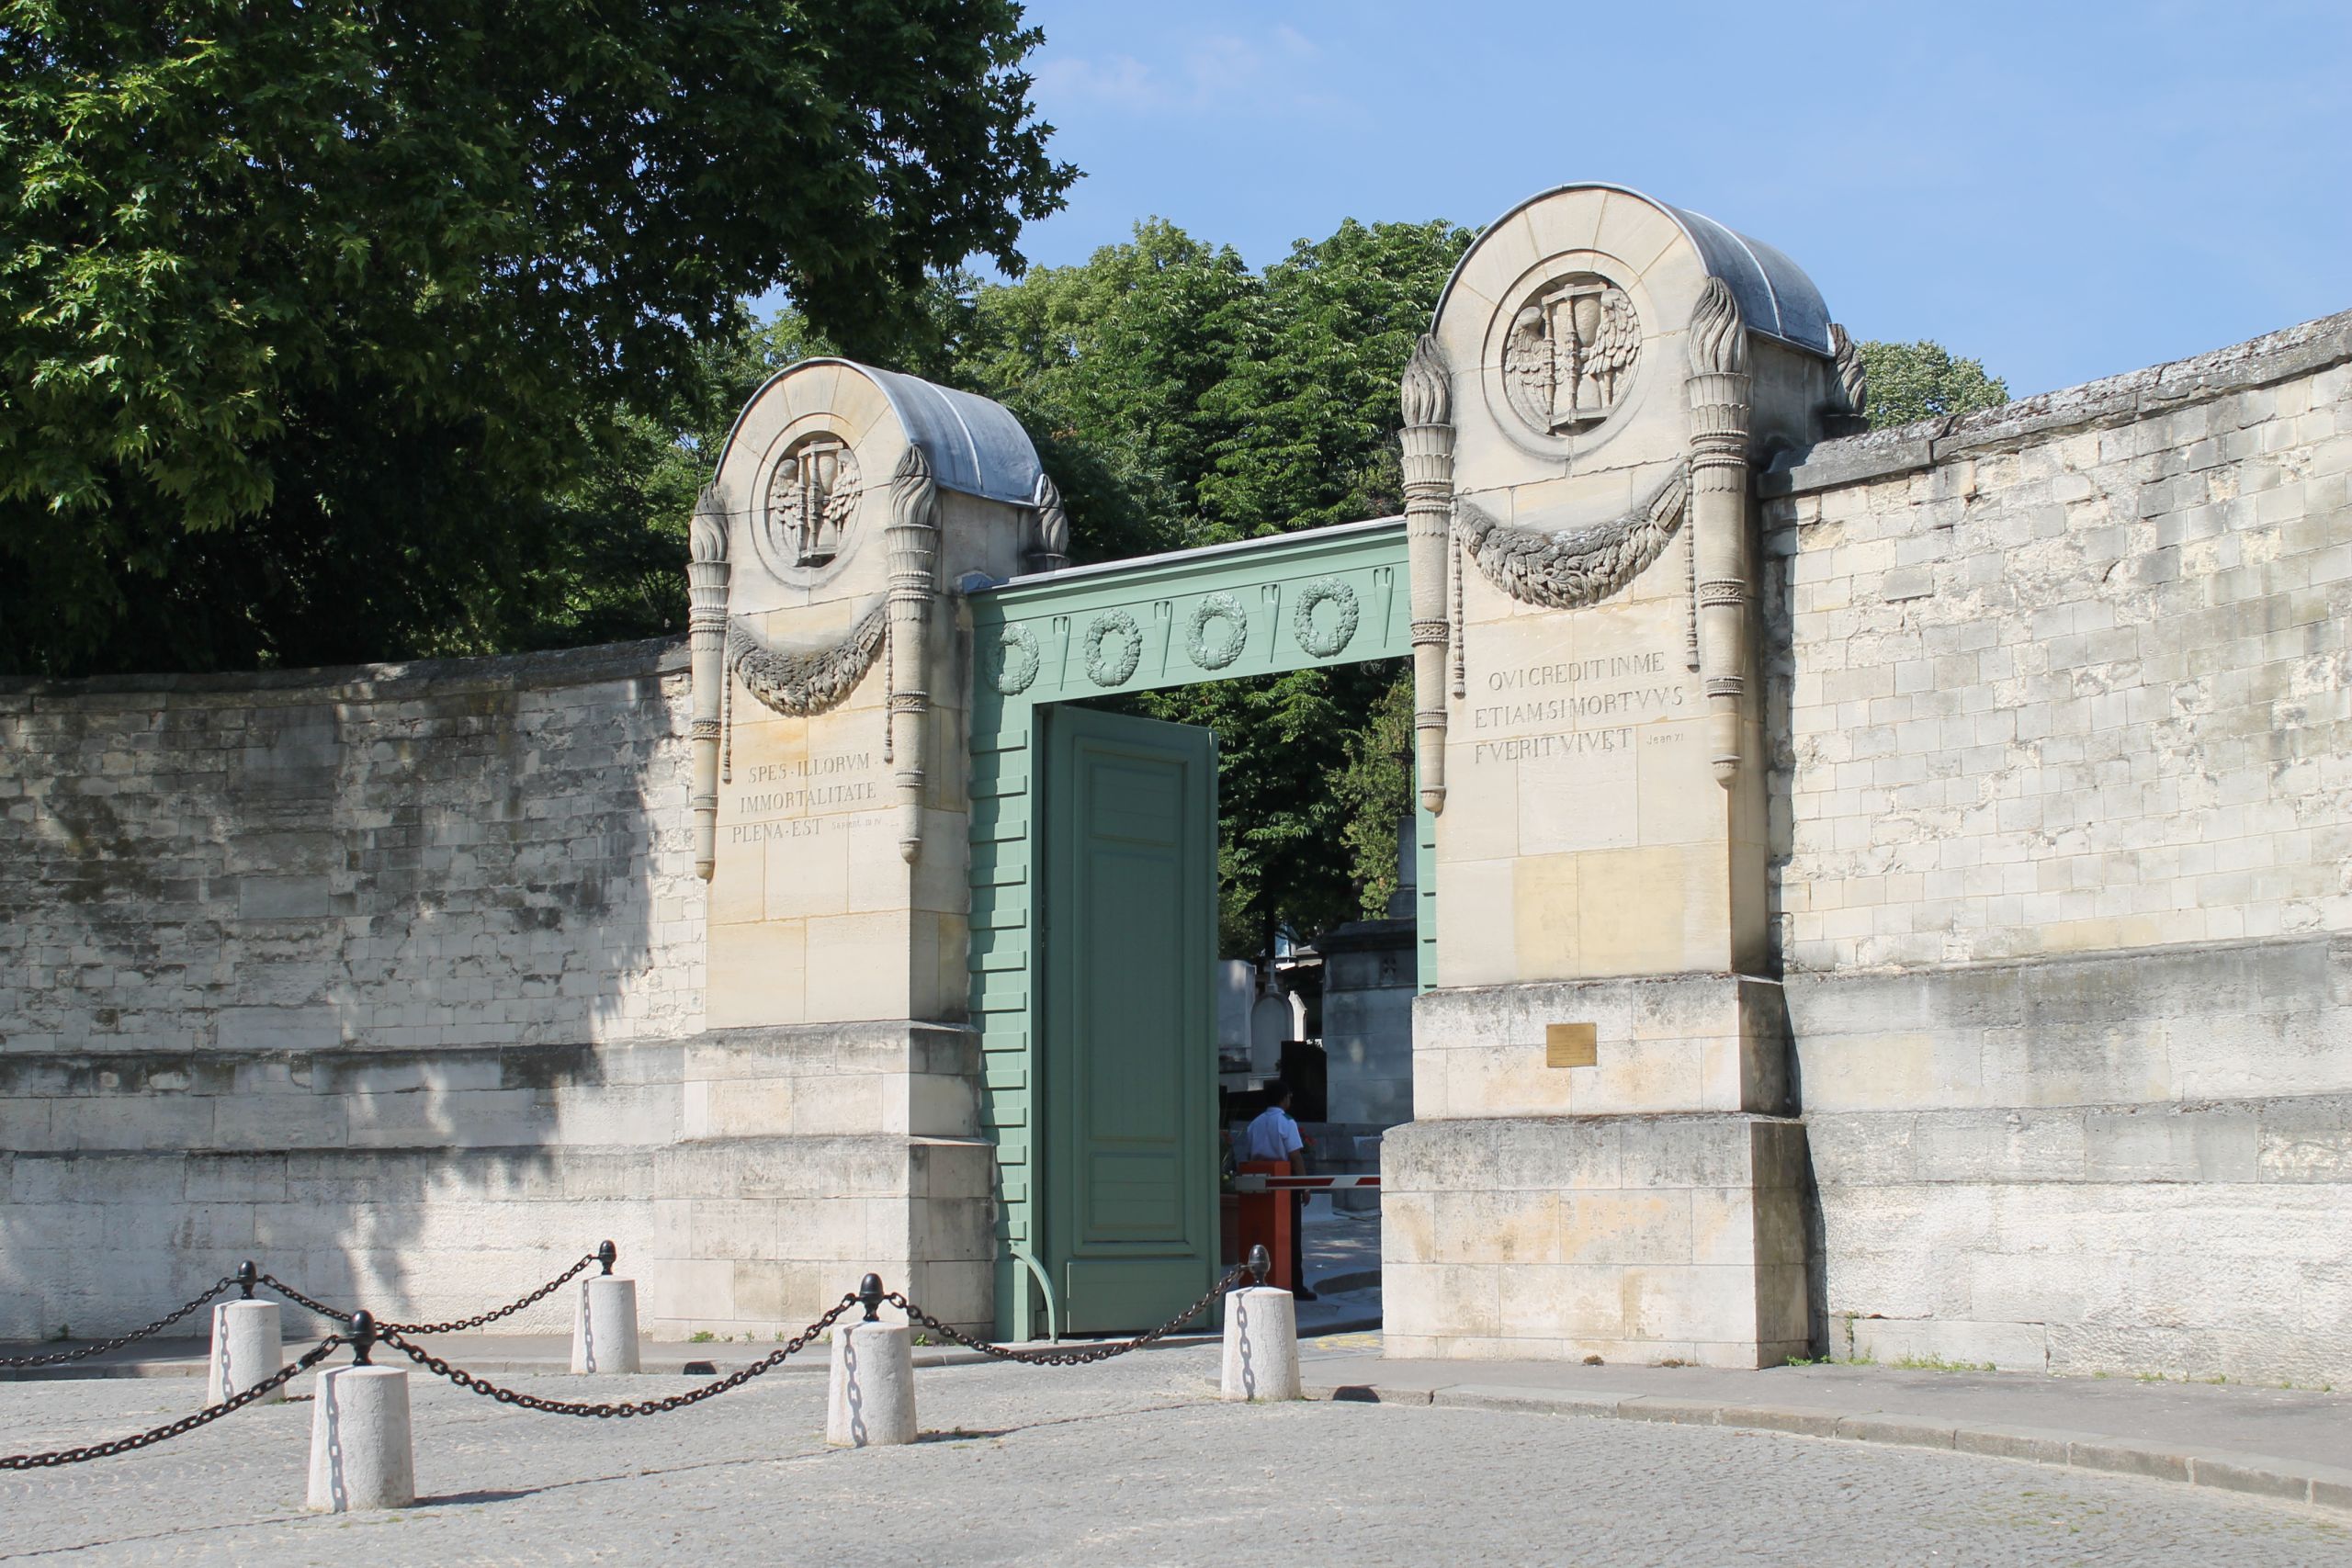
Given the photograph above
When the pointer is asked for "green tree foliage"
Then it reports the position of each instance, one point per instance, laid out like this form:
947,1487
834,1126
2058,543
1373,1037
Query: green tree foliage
1115,366
1179,399
328,327
1911,381
1375,791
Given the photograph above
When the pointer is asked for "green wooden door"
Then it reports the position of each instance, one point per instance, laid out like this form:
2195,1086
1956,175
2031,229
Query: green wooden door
1130,1054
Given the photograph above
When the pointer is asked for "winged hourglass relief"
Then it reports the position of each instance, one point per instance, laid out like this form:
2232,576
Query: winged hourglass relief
1570,354
812,495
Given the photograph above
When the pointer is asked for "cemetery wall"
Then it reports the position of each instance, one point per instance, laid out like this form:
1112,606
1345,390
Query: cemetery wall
2062,716
393,978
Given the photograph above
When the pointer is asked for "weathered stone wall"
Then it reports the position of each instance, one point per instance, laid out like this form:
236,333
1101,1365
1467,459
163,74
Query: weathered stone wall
2062,713
392,979
471,852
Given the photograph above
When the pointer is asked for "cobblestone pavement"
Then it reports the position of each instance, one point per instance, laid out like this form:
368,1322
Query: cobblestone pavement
1129,1462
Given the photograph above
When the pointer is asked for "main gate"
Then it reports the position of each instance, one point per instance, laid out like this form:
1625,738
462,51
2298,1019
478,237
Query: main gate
1094,897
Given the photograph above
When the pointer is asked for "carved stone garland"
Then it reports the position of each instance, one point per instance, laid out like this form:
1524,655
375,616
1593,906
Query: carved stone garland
1428,443
799,684
912,540
1575,567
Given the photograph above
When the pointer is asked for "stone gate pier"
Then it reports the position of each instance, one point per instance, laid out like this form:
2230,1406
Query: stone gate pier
1605,1158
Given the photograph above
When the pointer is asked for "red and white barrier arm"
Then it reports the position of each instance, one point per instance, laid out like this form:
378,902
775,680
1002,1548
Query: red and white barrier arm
1250,1182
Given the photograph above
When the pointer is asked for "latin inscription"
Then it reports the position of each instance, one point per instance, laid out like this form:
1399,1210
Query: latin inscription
1565,743
784,800
1545,711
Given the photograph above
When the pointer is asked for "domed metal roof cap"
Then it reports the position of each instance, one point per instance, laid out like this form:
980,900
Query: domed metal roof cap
1775,296
975,445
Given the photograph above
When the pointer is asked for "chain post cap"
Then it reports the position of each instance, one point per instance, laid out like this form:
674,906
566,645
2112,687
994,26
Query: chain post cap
363,1335
607,1254
1261,1264
246,1276
869,1293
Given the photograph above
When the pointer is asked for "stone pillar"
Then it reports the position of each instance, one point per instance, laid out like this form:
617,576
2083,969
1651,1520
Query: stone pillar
1718,385
914,543
832,685
871,1399
248,1348
1604,1159
1260,1345
362,1453
706,574
1428,442
604,1330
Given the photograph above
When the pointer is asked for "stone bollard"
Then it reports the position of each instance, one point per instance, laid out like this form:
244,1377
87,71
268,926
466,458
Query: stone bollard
604,1329
872,1400
362,1454
1261,1339
248,1347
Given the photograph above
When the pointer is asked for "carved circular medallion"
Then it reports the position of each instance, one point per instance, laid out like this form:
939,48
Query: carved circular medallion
1017,660
1112,668
1216,607
1569,356
810,505
1323,644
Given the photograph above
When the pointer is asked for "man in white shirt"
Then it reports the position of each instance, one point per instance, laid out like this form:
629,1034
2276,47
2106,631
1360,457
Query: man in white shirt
1274,1136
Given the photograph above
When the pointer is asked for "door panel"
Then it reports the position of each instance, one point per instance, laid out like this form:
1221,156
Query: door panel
1128,1053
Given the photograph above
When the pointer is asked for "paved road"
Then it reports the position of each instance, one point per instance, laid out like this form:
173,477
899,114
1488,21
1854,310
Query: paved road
1127,1462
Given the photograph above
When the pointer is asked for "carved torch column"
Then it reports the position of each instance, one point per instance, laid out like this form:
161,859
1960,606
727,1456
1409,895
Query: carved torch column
1719,389
706,574
912,544
1049,539
1428,442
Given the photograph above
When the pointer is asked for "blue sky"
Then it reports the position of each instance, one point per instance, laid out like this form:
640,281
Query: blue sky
2063,189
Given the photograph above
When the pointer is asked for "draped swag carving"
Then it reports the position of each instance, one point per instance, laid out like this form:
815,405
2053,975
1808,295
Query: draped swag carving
799,684
1575,566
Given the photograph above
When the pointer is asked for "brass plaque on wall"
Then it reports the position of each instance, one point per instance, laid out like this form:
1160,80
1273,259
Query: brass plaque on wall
1571,1045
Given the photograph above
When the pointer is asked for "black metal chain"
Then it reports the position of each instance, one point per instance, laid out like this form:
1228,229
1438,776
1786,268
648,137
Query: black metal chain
60,1358
299,1299
1067,1358
512,1307
483,1386
286,1374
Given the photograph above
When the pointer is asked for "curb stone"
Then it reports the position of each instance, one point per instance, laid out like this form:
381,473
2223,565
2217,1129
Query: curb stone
2318,1485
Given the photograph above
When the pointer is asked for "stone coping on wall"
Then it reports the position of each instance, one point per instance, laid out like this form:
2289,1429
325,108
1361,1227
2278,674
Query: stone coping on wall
2300,350
368,683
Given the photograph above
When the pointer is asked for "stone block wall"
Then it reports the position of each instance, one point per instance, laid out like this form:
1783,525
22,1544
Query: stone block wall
2061,715
2076,675
392,980
748,1176
1645,1238
464,853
